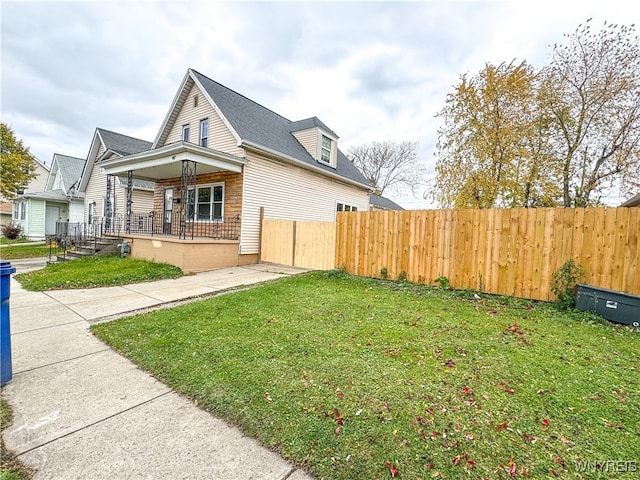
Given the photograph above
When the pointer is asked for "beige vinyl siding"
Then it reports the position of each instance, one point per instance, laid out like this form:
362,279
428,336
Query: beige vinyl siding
38,184
220,137
309,140
290,193
142,201
95,192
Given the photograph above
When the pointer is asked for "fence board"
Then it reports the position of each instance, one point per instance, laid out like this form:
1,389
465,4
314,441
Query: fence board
277,241
511,252
301,244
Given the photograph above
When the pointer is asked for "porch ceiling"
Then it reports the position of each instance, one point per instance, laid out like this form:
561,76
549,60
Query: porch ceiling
166,162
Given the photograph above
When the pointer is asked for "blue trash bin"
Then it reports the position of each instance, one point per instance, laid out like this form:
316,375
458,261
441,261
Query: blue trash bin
6,371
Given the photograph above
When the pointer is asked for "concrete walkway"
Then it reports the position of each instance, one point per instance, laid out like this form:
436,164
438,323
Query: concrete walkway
82,411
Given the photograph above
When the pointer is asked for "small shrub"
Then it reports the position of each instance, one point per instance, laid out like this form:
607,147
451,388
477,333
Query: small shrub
443,282
384,273
402,277
339,272
11,230
564,284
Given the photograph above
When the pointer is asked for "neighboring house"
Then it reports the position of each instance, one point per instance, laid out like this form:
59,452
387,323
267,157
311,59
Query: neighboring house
36,185
219,160
380,203
39,212
633,201
93,182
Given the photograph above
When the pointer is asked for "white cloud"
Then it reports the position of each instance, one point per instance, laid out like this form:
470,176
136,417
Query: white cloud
370,71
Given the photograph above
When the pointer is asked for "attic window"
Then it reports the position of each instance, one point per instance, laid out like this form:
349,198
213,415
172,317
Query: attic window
204,132
325,149
195,101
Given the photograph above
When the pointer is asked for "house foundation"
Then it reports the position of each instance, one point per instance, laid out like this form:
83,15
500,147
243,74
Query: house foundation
192,256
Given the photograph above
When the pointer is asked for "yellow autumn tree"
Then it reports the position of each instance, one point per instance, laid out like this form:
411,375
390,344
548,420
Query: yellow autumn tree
17,165
492,149
564,135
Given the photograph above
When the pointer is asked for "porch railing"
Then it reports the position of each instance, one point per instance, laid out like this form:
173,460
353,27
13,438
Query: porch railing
155,223
152,223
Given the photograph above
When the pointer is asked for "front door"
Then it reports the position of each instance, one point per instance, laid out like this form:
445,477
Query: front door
51,217
167,217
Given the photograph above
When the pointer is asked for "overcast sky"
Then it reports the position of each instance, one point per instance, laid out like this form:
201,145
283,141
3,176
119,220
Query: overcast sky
370,71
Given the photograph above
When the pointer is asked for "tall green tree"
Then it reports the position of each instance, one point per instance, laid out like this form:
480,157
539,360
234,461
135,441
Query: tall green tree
17,165
513,136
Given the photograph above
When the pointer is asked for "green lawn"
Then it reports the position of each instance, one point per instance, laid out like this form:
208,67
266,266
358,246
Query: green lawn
12,251
359,378
93,272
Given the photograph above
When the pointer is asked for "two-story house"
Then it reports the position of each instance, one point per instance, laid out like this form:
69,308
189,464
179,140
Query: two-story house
219,162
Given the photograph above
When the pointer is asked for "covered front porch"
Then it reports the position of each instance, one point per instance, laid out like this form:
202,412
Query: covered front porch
196,218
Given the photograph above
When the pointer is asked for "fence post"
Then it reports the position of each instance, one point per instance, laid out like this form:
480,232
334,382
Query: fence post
260,235
293,246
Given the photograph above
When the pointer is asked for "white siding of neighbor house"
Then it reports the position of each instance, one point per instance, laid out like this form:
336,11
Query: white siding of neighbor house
35,219
220,137
291,193
76,212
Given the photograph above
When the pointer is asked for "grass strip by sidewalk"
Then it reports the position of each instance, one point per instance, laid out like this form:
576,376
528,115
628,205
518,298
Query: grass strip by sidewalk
94,272
361,378
14,251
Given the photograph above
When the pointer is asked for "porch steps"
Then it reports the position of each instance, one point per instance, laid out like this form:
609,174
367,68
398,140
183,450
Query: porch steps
92,248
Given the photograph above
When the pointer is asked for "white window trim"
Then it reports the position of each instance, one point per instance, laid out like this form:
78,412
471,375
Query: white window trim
195,202
200,137
187,130
334,149
344,205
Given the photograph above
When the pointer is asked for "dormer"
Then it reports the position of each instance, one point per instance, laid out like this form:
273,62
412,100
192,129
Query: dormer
317,139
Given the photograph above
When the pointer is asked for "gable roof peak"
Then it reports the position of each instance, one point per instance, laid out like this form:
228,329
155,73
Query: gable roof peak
199,77
311,122
120,143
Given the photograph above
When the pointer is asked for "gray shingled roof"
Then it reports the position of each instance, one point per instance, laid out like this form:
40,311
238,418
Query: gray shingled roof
259,125
633,201
123,144
383,202
307,123
69,169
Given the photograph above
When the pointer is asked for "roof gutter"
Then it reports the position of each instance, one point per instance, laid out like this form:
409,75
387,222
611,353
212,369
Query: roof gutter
174,150
272,153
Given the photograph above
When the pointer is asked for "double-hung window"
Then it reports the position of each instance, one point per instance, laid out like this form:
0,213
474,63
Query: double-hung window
185,133
325,149
206,202
204,132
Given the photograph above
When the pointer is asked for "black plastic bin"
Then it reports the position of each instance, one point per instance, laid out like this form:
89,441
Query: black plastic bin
618,307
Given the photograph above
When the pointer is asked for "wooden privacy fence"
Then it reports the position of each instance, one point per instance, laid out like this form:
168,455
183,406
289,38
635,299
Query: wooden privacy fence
297,243
508,252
